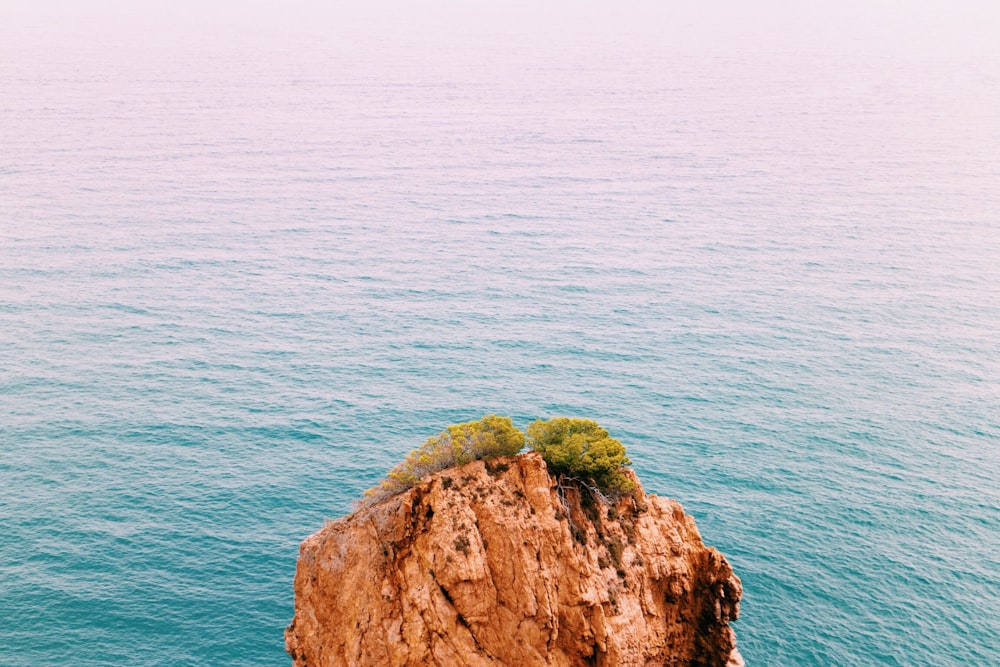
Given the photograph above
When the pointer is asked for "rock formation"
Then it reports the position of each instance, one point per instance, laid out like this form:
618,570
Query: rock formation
494,564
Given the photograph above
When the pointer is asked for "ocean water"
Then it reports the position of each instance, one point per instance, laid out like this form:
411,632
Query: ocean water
247,264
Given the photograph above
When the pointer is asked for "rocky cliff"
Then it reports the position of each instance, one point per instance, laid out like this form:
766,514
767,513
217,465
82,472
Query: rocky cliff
494,564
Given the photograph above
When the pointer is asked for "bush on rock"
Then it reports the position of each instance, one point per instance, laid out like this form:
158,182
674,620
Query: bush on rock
581,449
485,438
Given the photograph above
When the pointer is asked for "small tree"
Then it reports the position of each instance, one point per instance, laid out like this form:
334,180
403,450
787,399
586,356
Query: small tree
580,448
458,444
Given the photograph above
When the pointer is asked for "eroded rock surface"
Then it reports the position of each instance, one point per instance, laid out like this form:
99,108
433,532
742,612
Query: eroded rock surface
492,564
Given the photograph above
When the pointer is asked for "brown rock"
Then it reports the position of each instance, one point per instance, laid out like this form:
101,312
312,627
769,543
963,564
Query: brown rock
493,564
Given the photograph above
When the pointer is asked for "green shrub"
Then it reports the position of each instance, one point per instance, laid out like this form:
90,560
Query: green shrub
580,448
459,443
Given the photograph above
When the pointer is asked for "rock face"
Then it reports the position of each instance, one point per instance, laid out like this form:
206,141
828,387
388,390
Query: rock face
494,564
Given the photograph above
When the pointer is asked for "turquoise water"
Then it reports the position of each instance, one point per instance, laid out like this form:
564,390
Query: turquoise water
242,273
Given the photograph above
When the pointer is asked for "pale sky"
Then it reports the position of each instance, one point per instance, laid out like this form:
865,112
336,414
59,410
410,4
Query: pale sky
929,26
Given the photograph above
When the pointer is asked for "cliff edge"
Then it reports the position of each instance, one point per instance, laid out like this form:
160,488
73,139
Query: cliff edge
494,563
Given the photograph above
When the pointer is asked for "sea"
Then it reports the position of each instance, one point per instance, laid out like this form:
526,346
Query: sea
252,254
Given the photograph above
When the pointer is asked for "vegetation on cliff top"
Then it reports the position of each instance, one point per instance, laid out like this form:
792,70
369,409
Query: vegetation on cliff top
581,449
459,443
577,449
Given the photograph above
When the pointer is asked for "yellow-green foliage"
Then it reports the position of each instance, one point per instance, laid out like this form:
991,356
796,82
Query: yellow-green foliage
581,448
459,443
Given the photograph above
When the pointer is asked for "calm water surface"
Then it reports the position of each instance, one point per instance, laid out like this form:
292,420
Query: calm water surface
242,273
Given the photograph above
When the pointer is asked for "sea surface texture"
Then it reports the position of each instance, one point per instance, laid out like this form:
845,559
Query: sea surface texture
247,264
